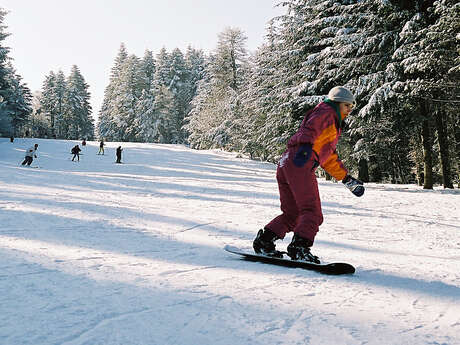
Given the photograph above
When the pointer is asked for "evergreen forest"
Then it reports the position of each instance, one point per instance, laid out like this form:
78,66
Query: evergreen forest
400,59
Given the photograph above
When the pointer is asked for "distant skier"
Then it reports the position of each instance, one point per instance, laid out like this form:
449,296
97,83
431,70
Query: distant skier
101,147
83,143
31,153
119,149
76,152
313,145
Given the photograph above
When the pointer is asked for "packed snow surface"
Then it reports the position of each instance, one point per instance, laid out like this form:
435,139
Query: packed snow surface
94,252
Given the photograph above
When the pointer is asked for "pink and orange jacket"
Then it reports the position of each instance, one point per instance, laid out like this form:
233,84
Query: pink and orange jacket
321,127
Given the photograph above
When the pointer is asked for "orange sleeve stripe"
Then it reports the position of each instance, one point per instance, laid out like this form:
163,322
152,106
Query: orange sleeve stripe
327,135
334,167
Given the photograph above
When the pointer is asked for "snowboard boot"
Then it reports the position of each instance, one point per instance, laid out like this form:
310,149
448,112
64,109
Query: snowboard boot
299,249
264,243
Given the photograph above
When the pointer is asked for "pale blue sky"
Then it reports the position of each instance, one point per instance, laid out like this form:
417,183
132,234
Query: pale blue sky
56,34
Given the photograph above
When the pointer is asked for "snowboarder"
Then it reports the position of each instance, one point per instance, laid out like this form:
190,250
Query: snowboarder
76,152
101,147
119,149
31,153
313,145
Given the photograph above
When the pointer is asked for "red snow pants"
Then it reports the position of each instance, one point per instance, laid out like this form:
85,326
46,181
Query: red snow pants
299,196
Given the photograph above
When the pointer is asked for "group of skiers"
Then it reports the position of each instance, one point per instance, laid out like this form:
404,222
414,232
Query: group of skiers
31,152
117,152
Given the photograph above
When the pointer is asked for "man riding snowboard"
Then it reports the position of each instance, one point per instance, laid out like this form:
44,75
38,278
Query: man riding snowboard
313,145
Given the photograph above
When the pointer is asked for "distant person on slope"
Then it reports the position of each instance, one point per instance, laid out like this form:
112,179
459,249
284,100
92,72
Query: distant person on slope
76,152
313,145
31,153
101,147
119,149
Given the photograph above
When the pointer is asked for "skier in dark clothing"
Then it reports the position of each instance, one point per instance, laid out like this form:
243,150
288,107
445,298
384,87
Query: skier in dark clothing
119,149
101,147
31,153
76,152
313,145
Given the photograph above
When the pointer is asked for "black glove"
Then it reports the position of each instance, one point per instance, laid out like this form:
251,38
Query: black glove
354,185
303,155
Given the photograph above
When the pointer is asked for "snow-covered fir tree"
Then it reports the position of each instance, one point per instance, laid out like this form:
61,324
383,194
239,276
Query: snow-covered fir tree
418,91
106,126
58,93
164,116
78,109
179,87
15,96
127,92
65,103
47,100
216,114
147,70
141,91
145,120
39,124
162,71
18,100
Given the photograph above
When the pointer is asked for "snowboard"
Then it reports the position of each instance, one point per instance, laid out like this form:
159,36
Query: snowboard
334,268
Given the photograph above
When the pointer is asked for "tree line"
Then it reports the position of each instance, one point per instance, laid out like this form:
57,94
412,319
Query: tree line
62,108
148,98
400,59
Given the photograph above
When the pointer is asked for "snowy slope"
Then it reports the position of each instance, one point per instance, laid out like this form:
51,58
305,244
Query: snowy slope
101,253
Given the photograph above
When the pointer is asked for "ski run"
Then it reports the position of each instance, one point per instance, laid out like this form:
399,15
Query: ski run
94,252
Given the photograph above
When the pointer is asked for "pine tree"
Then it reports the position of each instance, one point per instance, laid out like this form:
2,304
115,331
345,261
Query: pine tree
420,80
58,94
127,91
162,71
164,115
147,70
215,117
18,98
39,123
179,87
78,108
155,116
145,119
106,126
47,101
15,96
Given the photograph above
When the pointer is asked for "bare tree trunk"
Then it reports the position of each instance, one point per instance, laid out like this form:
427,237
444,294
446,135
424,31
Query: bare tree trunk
419,159
456,123
443,149
427,155
401,170
392,169
363,174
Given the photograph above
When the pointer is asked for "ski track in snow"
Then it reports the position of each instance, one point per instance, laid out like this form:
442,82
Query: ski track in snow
99,253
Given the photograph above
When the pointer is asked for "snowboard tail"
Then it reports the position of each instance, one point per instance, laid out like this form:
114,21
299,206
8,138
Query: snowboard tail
334,268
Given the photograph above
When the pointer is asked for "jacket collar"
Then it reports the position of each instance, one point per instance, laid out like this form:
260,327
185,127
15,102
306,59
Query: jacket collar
336,108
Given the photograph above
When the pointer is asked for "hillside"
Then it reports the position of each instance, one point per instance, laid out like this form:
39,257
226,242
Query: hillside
94,252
